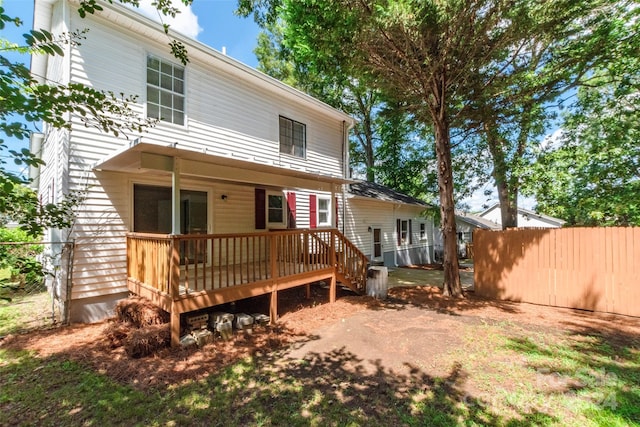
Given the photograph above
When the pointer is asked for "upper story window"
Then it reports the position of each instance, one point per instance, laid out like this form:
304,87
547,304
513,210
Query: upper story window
165,90
324,211
293,137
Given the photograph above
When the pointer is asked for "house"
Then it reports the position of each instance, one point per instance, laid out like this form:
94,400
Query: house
389,227
526,218
466,223
233,194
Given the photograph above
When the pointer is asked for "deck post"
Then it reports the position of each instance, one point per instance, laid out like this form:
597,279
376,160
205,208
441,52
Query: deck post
332,288
273,307
174,283
175,325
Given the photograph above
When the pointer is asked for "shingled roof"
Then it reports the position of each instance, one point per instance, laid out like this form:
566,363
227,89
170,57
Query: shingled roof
372,190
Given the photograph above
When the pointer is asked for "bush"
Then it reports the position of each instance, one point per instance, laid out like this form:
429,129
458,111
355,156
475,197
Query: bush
25,271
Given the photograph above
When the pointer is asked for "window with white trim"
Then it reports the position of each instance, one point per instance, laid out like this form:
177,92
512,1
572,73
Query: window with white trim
423,230
293,137
324,211
276,209
404,230
165,90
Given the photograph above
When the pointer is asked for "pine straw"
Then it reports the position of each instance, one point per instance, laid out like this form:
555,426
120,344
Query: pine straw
147,341
93,345
140,312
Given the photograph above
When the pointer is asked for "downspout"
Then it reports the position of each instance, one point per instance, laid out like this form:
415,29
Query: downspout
345,169
395,244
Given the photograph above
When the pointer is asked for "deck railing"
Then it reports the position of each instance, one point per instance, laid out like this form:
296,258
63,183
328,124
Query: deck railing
191,272
184,264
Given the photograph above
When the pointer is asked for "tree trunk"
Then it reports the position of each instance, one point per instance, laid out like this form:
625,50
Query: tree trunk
452,285
371,177
508,197
508,205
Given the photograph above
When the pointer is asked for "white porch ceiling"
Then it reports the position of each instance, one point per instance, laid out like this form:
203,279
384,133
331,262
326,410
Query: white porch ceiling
143,157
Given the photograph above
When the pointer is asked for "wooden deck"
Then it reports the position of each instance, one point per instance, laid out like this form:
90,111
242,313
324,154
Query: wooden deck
191,272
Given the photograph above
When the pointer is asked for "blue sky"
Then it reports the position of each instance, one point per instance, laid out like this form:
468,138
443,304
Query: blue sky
218,26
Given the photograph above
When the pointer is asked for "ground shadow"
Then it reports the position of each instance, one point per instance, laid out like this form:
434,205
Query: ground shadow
332,388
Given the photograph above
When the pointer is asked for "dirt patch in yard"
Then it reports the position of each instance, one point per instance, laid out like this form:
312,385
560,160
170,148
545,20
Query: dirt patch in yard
302,319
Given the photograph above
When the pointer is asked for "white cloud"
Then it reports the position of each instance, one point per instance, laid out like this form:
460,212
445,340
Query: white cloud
185,22
552,141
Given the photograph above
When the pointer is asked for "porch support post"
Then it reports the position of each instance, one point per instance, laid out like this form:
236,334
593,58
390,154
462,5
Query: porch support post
174,283
332,257
175,197
332,209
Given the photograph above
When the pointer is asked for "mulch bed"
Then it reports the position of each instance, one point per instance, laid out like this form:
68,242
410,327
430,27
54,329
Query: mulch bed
106,347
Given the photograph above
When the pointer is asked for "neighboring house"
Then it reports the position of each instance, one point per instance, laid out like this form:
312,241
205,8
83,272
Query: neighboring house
389,227
236,154
526,218
466,223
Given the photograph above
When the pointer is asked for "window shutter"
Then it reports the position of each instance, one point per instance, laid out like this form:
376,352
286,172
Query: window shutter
291,210
313,211
410,234
260,207
399,231
337,218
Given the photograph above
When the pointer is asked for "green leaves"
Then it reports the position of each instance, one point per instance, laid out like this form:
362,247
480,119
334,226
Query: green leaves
24,100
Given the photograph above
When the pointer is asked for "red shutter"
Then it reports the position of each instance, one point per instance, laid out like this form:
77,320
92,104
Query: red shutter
313,211
260,209
399,231
337,222
291,210
410,234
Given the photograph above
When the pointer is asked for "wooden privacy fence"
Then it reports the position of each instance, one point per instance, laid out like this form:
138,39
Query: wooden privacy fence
586,268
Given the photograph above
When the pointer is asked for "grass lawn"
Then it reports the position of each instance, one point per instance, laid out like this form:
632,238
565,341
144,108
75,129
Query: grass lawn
24,312
501,373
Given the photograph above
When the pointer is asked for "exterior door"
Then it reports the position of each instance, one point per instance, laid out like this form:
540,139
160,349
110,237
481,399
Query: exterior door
376,253
193,215
152,214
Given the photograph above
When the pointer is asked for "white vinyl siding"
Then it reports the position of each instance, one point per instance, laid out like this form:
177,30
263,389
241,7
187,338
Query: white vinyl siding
363,215
228,113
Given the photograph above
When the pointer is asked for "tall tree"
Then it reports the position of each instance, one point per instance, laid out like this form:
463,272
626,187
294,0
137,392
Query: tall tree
591,174
512,112
440,57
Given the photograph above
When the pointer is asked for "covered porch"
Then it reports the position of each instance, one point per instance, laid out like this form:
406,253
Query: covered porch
183,273
186,254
